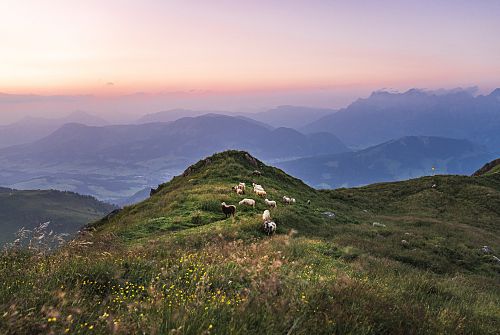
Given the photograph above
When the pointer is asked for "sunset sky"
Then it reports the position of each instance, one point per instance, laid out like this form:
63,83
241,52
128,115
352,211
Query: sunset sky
241,48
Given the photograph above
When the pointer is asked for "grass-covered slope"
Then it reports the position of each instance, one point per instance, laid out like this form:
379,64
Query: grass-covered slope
489,168
66,211
174,264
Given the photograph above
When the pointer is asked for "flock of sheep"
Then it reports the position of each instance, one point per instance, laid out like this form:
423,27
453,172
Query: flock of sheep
268,225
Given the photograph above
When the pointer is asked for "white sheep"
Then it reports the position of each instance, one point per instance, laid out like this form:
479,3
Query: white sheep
266,216
270,203
261,193
287,200
269,227
247,202
292,200
257,187
240,191
242,186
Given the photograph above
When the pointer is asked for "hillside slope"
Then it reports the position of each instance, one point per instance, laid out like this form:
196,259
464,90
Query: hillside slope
173,263
404,158
489,168
66,211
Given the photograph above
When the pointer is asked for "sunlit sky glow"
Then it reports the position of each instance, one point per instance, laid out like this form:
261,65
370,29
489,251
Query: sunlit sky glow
117,47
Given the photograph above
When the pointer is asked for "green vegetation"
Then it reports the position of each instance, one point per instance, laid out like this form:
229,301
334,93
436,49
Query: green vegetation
489,168
66,211
173,264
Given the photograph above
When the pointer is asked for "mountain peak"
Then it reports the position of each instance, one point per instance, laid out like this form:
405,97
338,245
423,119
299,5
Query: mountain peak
242,157
495,93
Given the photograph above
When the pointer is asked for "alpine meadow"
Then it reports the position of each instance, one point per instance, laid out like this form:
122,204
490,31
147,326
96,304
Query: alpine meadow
191,167
398,258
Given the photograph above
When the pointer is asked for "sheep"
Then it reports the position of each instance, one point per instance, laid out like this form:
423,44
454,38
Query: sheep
269,227
228,210
287,200
238,189
292,200
261,193
247,202
242,186
270,203
257,187
266,216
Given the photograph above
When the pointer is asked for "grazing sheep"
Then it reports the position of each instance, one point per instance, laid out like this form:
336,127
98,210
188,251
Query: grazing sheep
329,214
270,203
287,200
486,249
242,186
257,187
292,200
228,210
269,227
238,189
266,216
378,224
308,202
261,193
247,202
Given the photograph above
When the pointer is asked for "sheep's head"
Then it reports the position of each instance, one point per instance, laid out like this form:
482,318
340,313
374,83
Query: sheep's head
223,204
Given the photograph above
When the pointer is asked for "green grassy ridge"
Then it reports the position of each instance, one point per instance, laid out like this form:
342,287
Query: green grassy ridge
67,211
195,198
173,263
489,168
459,206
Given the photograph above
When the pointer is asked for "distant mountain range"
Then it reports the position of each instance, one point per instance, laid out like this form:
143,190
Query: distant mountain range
282,116
66,211
114,162
290,116
405,158
384,116
188,138
119,163
172,115
31,129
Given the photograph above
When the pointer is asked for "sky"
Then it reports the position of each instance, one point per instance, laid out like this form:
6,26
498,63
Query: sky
133,57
